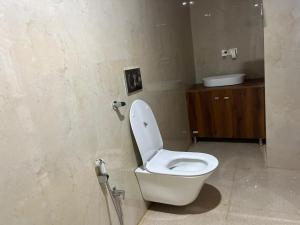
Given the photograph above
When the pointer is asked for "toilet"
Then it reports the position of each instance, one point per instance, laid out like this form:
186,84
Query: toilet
168,177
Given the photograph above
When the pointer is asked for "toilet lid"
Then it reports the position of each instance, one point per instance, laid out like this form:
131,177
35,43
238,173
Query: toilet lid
145,129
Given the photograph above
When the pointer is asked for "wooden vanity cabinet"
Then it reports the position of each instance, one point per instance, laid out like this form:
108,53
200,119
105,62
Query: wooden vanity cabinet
228,112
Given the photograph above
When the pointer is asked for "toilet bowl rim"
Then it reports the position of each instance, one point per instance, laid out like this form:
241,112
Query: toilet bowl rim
168,156
142,169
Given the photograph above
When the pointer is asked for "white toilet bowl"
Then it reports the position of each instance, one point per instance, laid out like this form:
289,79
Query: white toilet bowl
168,177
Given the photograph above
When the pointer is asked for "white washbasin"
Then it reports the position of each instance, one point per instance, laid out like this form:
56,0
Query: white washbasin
224,80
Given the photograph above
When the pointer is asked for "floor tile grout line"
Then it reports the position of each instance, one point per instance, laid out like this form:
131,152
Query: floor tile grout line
231,193
142,220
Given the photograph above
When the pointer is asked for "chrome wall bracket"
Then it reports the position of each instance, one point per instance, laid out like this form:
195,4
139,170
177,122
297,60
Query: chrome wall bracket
116,105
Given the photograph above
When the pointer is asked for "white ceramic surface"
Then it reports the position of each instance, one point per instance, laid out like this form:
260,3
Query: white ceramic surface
145,129
224,80
181,163
168,189
168,177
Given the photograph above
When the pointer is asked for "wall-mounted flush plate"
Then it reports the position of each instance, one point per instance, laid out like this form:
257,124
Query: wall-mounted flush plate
133,80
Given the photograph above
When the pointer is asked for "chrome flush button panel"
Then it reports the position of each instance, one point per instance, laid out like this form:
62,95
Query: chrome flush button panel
133,80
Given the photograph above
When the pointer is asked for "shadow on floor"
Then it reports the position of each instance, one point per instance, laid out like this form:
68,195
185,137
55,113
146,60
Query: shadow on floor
208,199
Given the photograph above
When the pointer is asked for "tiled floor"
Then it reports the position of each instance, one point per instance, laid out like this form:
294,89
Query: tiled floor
241,192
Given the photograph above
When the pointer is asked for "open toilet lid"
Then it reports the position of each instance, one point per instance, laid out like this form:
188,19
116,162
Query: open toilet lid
145,129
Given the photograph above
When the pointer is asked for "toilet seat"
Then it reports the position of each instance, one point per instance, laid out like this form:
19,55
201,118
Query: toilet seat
181,163
168,177
155,158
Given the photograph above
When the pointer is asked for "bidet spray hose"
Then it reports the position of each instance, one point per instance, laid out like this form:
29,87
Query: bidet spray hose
103,180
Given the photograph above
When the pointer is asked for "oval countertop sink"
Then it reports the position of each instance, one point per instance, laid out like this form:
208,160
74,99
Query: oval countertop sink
224,80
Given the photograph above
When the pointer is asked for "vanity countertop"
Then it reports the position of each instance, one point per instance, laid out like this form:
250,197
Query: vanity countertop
249,83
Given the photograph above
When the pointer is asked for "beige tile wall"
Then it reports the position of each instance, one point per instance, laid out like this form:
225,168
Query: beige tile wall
282,46
61,66
224,24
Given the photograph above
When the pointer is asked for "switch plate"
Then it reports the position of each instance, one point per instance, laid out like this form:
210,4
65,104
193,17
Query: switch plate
230,52
133,80
224,53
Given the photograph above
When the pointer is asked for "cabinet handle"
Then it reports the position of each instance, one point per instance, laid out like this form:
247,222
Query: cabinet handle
216,98
226,98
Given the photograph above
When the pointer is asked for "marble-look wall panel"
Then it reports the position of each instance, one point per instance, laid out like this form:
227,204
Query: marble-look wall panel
282,48
61,66
224,24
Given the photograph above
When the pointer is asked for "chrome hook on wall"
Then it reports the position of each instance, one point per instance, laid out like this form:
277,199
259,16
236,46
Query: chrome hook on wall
116,105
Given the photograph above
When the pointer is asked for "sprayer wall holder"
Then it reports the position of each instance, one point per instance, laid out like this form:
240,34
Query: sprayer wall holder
118,193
